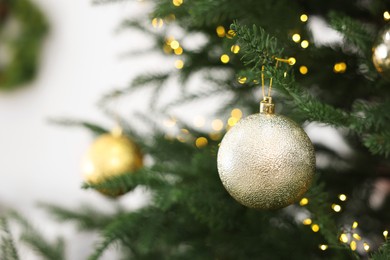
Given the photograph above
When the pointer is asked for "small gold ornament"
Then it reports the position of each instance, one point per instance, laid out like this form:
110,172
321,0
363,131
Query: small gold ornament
111,155
381,53
266,161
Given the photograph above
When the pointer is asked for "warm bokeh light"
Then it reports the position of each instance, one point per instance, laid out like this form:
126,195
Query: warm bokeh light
323,247
220,31
174,44
343,238
353,245
178,51
296,37
355,224
291,61
303,70
357,237
385,233
307,221
237,113
343,197
304,18
304,44
217,124
241,80
157,22
179,64
386,15
177,2
336,207
340,67
225,58
232,121
315,228
366,246
303,202
201,142
235,49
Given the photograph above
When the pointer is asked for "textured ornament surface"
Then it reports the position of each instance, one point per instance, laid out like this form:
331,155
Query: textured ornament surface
110,155
266,161
381,53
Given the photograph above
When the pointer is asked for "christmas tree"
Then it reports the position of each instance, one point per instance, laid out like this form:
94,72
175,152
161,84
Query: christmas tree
245,46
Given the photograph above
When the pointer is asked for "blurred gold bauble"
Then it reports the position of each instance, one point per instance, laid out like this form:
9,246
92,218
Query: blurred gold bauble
381,53
266,161
111,155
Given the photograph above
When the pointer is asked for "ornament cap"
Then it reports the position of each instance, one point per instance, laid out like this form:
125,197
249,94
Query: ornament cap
117,131
266,106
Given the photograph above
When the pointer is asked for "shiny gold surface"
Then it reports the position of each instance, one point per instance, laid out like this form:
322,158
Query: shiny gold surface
381,53
266,161
110,155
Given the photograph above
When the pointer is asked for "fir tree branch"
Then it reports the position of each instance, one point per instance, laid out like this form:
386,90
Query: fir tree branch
7,246
383,252
96,129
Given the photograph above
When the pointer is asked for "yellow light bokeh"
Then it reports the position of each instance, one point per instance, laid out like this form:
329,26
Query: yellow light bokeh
201,142
179,64
169,39
232,121
323,247
225,58
355,224
340,67
353,245
385,233
177,2
307,221
304,44
174,44
291,61
386,15
304,18
343,238
217,124
230,34
296,37
220,31
178,51
215,136
315,228
303,202
356,236
237,113
241,80
157,22
366,246
303,70
235,48
343,197
199,121
336,207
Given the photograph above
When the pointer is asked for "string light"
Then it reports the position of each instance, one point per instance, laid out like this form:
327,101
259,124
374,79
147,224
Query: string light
366,246
303,202
174,44
179,64
241,80
355,224
178,51
303,70
220,31
232,121
315,228
177,2
201,142
340,67
323,247
230,34
353,245
217,124
236,113
291,61
385,233
296,37
336,207
342,197
343,238
304,44
225,58
157,22
307,221
235,48
357,237
215,136
304,18
386,15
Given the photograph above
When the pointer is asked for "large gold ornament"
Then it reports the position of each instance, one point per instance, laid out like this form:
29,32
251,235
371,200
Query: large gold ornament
381,53
266,161
111,155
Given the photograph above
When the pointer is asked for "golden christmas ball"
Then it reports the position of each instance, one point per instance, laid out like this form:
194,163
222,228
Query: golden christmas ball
266,161
111,155
381,53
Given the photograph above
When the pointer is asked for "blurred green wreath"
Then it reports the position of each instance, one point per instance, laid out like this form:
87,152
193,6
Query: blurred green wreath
22,30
